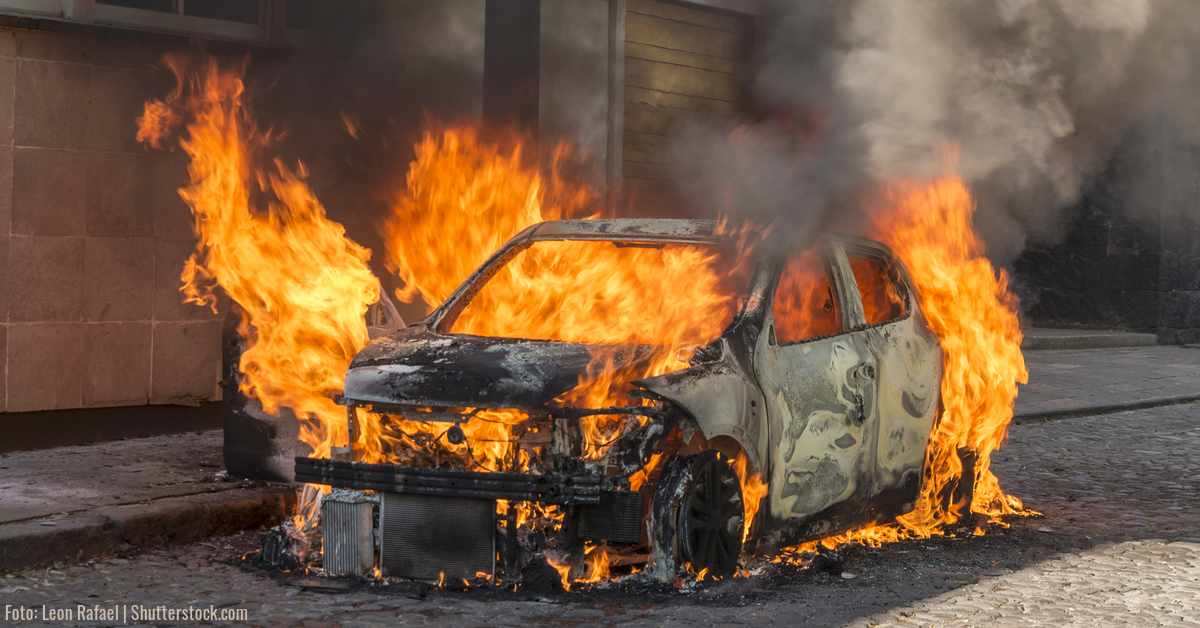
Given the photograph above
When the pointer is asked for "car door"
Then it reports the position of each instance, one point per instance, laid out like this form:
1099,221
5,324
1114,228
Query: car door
816,374
908,381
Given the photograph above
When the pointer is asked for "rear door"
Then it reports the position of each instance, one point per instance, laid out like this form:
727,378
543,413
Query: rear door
817,378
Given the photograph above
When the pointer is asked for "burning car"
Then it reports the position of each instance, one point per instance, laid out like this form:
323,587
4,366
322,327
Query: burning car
795,400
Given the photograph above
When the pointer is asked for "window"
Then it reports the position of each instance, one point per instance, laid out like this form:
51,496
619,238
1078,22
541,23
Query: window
286,22
239,19
244,11
882,298
32,6
806,305
327,17
162,6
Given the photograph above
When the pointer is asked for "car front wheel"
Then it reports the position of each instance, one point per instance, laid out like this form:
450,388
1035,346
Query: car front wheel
696,517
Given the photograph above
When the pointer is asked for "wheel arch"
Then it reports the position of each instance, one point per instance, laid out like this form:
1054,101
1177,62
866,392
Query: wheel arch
721,404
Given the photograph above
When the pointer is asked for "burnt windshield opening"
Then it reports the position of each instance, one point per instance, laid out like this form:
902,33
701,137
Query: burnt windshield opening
609,293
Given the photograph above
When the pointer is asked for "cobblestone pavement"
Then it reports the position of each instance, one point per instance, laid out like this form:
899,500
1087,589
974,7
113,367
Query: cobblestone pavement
1119,545
1065,380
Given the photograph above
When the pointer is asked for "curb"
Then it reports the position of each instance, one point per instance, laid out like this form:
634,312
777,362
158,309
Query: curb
1070,413
1084,341
175,520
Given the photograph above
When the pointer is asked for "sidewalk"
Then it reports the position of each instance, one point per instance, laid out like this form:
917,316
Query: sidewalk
1095,381
63,504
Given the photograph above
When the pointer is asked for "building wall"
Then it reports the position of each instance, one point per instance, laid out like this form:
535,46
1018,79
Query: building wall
574,70
684,65
93,235
1132,257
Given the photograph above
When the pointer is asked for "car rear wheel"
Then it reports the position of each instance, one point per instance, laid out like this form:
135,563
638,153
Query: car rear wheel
697,517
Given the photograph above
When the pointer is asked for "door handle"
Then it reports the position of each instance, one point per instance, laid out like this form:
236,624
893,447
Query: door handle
859,414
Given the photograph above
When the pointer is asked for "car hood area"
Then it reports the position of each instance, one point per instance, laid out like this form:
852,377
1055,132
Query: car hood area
417,366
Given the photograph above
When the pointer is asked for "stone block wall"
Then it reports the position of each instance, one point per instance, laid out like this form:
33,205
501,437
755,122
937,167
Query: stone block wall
93,235
1131,259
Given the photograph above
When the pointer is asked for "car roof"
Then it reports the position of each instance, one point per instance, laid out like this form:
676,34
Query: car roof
680,230
632,229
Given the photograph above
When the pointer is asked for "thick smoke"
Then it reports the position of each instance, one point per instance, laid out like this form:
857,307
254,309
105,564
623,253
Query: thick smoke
352,107
1035,94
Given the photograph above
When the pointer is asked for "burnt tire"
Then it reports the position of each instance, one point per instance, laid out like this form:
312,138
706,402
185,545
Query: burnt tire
696,517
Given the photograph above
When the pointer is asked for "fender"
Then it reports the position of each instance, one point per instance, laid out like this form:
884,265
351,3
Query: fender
720,399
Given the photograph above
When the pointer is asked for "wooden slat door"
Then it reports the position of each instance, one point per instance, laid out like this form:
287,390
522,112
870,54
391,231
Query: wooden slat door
682,63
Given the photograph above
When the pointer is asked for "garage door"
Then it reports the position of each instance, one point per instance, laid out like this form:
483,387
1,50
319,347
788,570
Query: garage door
682,63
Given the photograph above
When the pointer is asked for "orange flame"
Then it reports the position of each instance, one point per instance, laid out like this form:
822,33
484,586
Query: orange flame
597,562
754,489
467,196
303,286
968,306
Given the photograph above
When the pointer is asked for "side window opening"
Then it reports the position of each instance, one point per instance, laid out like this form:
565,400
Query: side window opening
806,304
882,298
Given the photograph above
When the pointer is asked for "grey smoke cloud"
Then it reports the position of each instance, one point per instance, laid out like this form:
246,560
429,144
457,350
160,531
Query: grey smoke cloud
1035,93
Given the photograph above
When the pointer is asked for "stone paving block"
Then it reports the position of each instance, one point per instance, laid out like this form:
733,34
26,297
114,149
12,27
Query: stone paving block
187,362
117,97
44,369
172,216
170,257
118,279
88,50
6,189
24,545
45,279
51,106
117,364
3,367
8,77
49,189
120,199
4,264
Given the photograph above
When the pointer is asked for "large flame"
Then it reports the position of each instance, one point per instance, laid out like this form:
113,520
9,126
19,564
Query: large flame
466,196
968,306
263,237
303,288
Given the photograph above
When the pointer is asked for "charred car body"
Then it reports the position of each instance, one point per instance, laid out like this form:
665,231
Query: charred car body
825,382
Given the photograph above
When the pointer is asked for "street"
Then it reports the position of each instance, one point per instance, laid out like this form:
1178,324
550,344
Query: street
1118,545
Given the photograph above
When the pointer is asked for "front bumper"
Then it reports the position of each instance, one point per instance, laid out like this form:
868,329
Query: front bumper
560,489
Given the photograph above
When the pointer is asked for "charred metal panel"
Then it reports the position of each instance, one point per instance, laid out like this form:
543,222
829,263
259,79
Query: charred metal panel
720,397
424,537
638,229
909,360
910,374
820,404
388,478
618,517
258,445
348,533
419,367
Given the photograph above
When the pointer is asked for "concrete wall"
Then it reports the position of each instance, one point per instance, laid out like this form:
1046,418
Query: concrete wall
93,235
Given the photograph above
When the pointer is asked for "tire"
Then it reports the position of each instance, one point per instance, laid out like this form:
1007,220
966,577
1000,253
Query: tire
696,518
